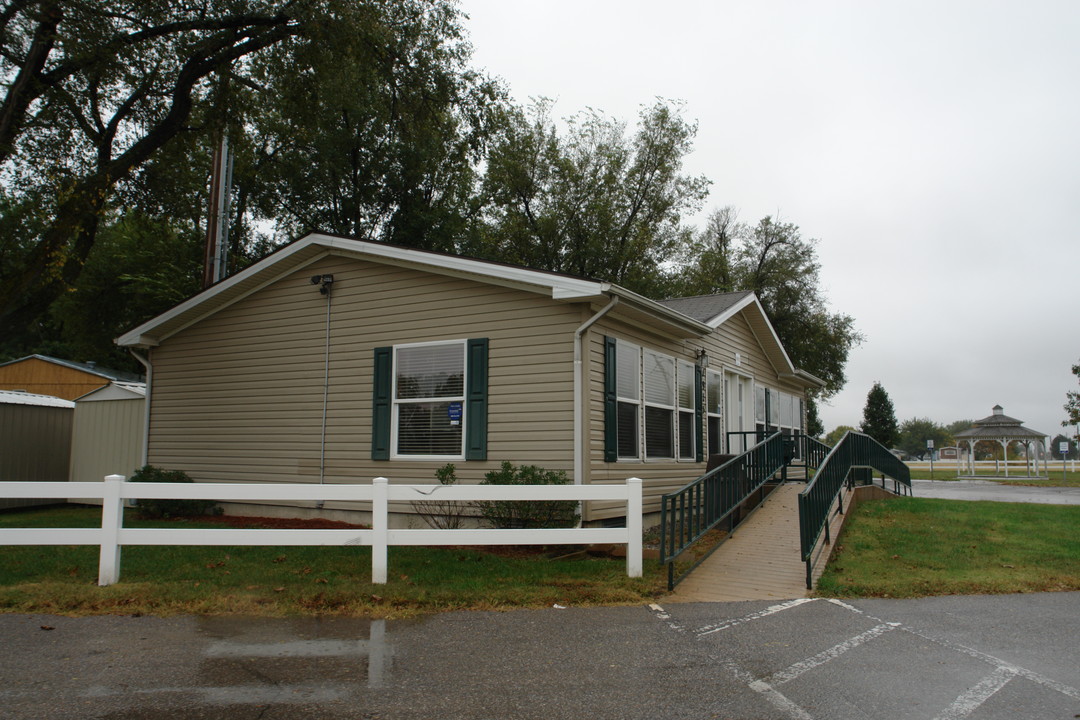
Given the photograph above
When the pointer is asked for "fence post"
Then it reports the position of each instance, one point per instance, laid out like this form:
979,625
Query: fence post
112,517
633,526
380,522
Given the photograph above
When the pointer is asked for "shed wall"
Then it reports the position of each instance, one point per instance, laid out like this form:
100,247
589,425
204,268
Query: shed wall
35,445
106,439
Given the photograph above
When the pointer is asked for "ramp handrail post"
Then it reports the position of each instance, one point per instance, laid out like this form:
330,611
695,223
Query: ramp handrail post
112,518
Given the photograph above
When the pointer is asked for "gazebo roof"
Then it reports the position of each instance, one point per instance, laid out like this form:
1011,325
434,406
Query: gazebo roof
999,425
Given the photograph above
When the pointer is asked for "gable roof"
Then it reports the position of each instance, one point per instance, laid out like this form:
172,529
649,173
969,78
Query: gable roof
13,397
704,308
715,310
315,246
684,317
115,391
87,367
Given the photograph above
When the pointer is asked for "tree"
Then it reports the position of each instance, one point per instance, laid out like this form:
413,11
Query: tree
1072,404
814,427
879,418
773,260
594,201
1056,443
112,111
836,434
914,433
395,118
92,91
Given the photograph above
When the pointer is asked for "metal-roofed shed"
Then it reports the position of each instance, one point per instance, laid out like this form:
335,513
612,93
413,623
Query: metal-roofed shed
108,431
35,441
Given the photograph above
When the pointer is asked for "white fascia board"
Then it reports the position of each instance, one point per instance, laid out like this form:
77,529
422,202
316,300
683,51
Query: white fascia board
751,300
143,336
562,287
733,311
657,309
807,379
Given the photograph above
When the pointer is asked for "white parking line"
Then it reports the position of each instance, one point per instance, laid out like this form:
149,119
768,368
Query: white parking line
775,698
771,610
966,704
783,676
976,695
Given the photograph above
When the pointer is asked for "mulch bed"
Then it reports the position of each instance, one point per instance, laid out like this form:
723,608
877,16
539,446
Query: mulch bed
276,523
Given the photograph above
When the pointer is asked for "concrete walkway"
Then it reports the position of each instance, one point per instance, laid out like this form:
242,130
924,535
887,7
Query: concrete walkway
761,560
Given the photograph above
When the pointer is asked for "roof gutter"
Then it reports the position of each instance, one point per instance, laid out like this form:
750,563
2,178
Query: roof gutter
146,407
579,383
806,378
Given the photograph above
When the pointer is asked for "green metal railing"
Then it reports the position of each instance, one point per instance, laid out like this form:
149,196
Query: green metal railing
856,455
690,512
812,452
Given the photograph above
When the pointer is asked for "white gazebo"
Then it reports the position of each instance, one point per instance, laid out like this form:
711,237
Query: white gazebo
1005,430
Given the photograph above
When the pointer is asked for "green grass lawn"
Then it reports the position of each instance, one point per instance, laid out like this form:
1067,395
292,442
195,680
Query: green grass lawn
911,547
1055,479
275,581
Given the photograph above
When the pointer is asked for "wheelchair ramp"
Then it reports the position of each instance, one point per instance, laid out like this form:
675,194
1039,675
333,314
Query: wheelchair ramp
760,561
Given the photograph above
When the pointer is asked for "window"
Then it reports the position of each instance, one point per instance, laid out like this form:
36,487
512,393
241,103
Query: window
687,444
628,390
651,405
713,407
430,401
658,381
775,410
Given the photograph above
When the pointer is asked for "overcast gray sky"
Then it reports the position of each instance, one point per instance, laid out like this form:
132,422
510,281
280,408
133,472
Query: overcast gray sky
933,148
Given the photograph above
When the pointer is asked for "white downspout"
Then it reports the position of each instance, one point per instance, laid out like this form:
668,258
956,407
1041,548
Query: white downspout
579,401
146,410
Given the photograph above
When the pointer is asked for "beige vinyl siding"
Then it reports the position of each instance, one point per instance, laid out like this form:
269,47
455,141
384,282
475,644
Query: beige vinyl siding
106,438
239,395
660,477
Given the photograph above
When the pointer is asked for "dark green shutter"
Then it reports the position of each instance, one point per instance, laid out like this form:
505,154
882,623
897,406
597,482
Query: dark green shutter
611,405
699,424
476,392
380,403
768,416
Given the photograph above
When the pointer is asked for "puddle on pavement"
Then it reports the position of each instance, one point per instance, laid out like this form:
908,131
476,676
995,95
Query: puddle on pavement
296,660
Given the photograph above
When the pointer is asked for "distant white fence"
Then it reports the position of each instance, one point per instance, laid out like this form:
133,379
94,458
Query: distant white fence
112,535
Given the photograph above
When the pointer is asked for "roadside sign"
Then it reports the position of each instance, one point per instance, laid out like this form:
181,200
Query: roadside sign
1063,448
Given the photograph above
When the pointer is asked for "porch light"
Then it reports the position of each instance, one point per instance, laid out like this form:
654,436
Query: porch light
703,358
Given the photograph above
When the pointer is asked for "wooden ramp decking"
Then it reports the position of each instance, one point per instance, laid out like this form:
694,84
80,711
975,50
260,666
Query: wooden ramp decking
761,560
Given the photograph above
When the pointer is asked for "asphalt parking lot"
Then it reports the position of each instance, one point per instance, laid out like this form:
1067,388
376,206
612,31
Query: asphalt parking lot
953,657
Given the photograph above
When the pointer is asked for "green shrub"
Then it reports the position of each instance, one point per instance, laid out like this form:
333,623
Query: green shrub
528,514
170,508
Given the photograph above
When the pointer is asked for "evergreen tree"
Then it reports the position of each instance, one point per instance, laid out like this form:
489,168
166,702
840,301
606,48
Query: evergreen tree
879,418
1072,407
